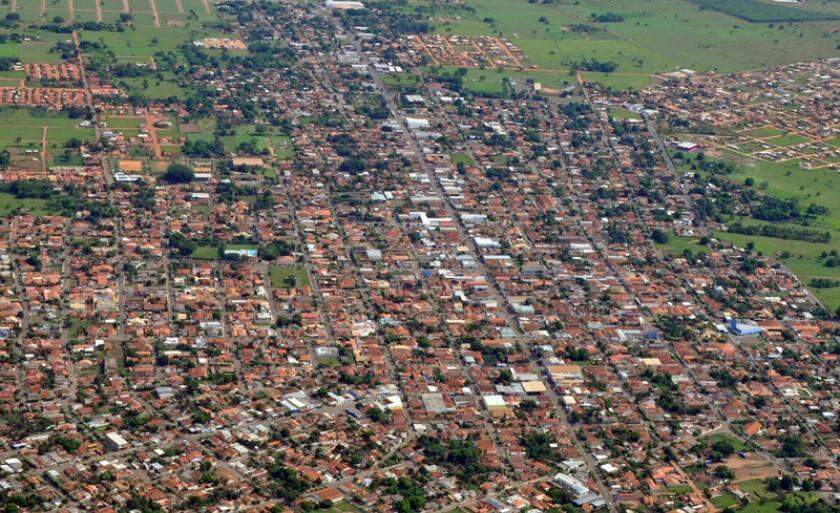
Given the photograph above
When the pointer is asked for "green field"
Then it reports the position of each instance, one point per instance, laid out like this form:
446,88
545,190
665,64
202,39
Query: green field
29,124
788,180
788,140
762,12
764,501
654,36
736,443
205,253
341,507
725,501
761,132
261,138
680,489
678,245
619,114
278,274
461,158
9,204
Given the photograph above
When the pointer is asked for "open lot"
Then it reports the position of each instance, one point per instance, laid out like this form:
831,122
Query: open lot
260,138
10,204
279,274
29,124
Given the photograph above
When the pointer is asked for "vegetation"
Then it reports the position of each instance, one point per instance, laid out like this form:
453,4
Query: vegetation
177,174
462,457
763,12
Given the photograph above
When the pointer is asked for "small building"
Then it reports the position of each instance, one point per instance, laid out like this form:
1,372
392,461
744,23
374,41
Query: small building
115,441
688,146
495,404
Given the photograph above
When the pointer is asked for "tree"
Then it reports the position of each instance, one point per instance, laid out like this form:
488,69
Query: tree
721,448
178,173
724,472
659,236
791,447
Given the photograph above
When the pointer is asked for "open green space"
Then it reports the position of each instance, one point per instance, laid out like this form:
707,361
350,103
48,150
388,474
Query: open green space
155,86
788,140
680,489
125,122
655,35
620,114
341,507
461,158
278,274
765,131
258,139
492,82
10,204
678,245
788,180
763,500
30,122
735,442
763,12
725,500
205,253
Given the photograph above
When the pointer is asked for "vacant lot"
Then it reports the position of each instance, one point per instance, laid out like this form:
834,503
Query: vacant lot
279,274
29,124
10,204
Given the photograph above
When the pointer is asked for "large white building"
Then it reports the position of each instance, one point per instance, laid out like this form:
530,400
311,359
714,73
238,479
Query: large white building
344,4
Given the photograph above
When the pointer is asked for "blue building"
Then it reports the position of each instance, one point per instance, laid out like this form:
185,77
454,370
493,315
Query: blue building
742,328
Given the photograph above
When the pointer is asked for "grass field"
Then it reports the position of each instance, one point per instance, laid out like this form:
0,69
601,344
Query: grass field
29,124
762,12
765,131
261,138
619,114
655,36
725,501
737,444
787,140
278,274
157,86
461,158
10,204
205,253
342,507
678,245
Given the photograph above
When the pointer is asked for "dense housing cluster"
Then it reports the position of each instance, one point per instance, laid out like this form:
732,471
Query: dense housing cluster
267,260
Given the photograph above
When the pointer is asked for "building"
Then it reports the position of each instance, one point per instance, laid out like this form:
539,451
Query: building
344,4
